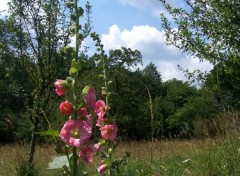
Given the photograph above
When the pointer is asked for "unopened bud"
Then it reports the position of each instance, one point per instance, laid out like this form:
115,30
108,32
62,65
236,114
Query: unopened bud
110,150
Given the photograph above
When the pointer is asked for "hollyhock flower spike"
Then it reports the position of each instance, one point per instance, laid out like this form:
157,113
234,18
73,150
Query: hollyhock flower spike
66,108
100,108
87,154
75,133
109,132
60,86
90,98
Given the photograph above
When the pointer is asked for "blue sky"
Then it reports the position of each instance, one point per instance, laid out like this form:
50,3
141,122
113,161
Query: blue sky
136,24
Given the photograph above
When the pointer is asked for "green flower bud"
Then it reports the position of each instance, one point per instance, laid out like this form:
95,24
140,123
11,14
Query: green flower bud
69,4
72,29
73,17
85,90
109,82
69,80
68,50
110,150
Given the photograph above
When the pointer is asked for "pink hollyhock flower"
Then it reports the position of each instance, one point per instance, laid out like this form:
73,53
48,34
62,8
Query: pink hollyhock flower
102,168
75,133
109,132
60,86
86,117
82,112
87,154
90,98
66,108
100,108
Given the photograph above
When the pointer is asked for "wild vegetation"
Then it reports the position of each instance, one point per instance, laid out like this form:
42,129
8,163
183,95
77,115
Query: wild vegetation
33,54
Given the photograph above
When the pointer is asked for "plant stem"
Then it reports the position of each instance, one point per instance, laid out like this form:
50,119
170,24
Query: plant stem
105,79
152,117
74,150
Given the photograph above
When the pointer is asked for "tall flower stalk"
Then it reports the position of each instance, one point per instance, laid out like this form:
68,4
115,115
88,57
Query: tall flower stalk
82,107
76,132
108,128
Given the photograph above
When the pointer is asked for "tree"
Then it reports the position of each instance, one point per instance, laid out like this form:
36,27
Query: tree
40,57
209,30
190,119
176,94
153,80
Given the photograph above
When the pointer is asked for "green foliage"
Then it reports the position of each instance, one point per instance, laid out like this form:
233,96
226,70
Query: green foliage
31,61
209,30
26,169
197,109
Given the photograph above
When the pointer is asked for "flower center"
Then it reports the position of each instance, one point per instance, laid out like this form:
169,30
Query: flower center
75,133
109,131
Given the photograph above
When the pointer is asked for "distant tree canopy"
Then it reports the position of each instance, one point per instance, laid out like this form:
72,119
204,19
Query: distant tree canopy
210,30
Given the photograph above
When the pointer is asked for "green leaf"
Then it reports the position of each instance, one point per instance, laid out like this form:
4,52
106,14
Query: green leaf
58,162
53,133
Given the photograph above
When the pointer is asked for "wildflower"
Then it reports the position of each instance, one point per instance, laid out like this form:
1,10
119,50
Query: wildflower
82,112
66,108
109,132
102,168
75,132
100,108
90,98
60,86
87,154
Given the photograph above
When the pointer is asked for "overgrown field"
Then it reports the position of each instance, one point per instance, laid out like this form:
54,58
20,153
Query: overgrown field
177,157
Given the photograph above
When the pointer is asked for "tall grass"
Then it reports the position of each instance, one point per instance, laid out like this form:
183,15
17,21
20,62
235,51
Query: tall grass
205,157
193,157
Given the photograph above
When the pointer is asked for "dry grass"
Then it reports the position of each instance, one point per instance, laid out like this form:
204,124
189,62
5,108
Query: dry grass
140,150
12,155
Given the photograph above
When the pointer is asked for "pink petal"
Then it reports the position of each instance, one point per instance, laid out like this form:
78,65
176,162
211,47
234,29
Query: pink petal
91,97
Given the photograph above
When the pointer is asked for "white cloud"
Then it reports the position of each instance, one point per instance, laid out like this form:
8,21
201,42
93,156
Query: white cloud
151,42
144,3
153,6
4,7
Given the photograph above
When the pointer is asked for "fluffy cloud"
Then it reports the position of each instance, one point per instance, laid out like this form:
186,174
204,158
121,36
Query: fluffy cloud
4,7
151,42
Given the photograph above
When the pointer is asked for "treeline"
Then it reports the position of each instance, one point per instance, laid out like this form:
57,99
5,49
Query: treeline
32,57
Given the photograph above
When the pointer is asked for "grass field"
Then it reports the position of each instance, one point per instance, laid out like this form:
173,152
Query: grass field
179,157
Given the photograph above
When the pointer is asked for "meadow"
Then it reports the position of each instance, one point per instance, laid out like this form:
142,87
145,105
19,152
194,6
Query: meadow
218,156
